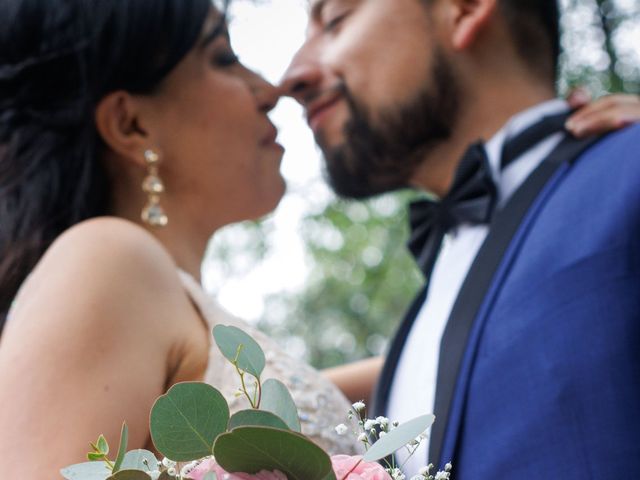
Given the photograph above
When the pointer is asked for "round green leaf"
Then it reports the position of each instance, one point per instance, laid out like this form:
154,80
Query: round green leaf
130,475
398,438
256,418
86,471
277,400
139,460
186,421
252,449
240,348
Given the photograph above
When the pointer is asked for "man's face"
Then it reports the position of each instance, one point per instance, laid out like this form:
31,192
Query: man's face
377,88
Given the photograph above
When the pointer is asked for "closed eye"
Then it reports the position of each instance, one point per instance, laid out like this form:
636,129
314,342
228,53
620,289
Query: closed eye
335,22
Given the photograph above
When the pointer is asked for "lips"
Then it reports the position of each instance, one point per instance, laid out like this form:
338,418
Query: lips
318,109
270,136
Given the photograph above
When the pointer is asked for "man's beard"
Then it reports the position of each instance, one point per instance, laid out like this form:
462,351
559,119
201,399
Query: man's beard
382,155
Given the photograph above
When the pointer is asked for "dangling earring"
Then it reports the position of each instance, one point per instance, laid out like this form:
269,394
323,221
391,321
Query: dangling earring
153,214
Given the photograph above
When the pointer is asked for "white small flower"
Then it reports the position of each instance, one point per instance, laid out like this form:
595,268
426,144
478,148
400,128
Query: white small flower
172,471
359,406
442,476
397,474
417,477
369,424
382,421
184,471
168,463
363,438
341,429
382,434
448,467
424,471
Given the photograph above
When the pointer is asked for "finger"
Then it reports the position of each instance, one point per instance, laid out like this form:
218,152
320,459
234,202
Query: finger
578,97
602,106
604,122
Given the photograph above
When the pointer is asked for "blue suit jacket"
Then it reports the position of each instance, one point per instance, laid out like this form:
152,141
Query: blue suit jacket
549,382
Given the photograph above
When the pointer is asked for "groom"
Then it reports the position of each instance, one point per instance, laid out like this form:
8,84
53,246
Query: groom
525,341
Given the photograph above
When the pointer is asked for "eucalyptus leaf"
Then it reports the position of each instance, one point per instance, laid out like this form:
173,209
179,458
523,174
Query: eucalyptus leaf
240,348
277,400
246,418
122,449
398,438
103,446
86,471
139,460
210,476
130,475
252,449
186,421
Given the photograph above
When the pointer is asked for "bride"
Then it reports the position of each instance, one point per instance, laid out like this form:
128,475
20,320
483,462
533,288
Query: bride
129,133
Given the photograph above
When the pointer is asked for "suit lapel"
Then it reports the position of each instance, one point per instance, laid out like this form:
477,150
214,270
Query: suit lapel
479,288
383,388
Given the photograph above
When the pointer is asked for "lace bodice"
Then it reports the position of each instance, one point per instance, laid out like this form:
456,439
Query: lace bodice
320,404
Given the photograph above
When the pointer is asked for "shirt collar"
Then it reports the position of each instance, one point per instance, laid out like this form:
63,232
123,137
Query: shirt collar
512,177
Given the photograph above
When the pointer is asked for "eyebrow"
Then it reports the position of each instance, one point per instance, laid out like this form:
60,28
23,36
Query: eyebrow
316,9
219,29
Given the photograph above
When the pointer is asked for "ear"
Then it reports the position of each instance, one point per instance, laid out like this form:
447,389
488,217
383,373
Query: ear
117,121
470,17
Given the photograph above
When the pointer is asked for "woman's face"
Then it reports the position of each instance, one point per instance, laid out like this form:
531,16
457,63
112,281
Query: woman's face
219,159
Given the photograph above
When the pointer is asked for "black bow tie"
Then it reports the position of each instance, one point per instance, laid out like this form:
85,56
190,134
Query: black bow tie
472,196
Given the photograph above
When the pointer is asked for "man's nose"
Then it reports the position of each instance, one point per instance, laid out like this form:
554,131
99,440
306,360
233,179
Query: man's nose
303,77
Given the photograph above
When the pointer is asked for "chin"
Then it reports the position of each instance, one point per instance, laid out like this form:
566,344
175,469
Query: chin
270,202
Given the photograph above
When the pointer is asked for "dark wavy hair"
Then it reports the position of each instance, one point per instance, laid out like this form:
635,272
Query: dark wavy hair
58,59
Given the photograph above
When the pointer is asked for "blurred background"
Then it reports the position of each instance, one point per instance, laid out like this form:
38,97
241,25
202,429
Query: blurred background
330,280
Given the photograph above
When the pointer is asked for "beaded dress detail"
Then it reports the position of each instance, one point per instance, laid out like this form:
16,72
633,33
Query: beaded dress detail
320,403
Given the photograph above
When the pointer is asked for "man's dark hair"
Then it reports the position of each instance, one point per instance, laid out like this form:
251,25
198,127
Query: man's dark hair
535,28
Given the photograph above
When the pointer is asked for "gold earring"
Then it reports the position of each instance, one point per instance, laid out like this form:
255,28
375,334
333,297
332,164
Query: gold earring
153,214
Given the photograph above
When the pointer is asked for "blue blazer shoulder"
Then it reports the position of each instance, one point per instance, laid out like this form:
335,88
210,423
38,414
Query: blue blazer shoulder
553,388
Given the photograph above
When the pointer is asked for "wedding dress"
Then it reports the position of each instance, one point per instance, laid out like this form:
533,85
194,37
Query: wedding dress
321,405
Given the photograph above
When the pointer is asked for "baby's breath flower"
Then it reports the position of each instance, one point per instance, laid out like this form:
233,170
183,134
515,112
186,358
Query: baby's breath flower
448,467
369,424
397,474
442,475
363,438
417,477
425,470
168,463
171,471
341,429
359,406
187,468
382,421
382,434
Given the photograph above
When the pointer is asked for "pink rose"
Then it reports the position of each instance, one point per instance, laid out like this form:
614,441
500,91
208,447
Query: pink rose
343,464
210,465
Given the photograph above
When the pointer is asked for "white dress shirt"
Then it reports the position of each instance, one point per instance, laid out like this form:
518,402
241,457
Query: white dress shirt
413,388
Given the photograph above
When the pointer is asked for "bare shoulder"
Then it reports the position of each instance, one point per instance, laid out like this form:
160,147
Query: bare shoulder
108,271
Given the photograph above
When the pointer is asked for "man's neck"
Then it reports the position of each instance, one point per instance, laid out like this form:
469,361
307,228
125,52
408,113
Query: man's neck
480,119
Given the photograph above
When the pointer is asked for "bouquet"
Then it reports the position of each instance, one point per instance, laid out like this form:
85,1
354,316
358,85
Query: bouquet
191,426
